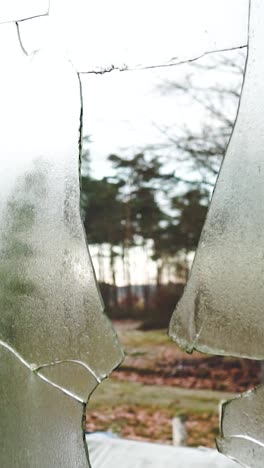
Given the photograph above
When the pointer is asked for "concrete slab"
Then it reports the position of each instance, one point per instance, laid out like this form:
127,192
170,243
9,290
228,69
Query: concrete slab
108,452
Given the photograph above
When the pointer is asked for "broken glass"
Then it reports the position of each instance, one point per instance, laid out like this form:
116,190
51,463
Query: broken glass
72,376
16,10
45,267
242,428
221,309
40,425
245,451
100,36
56,342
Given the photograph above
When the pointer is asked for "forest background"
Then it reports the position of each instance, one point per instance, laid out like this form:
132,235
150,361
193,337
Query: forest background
148,215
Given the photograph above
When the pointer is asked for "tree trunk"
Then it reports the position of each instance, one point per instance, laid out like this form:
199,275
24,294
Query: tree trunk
112,267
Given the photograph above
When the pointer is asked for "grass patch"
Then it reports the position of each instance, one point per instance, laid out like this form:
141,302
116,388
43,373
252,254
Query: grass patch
138,338
145,412
113,392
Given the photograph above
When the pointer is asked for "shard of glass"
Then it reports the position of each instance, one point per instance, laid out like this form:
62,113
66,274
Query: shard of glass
169,35
51,308
40,425
221,311
242,428
17,10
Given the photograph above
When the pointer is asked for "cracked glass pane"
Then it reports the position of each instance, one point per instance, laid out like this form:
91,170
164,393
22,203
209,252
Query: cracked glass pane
247,452
52,317
40,425
51,310
221,309
72,376
242,428
48,287
56,343
15,10
96,38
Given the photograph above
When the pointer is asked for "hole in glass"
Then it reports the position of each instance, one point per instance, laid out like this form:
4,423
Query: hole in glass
143,192
122,235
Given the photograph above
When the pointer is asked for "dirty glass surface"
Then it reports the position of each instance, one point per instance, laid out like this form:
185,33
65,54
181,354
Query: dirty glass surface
249,453
56,344
48,287
52,315
40,425
221,309
72,376
242,428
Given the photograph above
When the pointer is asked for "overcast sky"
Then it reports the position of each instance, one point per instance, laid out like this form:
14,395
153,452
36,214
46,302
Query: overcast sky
125,112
